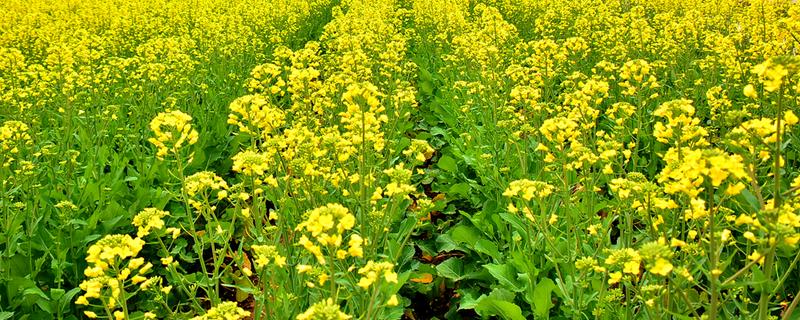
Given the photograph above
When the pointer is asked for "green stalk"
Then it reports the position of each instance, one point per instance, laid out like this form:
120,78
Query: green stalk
769,260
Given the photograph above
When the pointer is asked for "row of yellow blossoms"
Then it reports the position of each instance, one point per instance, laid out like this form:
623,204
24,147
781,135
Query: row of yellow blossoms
639,192
318,121
79,54
317,128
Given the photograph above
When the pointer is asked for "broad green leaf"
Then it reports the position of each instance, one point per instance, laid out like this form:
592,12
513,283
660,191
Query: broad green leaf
460,189
515,221
506,275
490,306
465,234
67,298
468,300
451,268
447,163
487,247
751,200
542,296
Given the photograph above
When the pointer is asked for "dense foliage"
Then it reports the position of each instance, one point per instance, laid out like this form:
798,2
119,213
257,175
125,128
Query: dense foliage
388,159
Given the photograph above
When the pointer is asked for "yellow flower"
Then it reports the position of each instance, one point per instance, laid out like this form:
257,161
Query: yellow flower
255,112
614,277
677,243
173,130
105,251
755,256
770,74
12,135
790,118
400,181
325,309
355,249
138,279
392,302
175,232
792,240
370,273
750,92
90,314
527,189
264,253
203,182
661,267
303,268
631,267
420,150
251,163
147,219
592,229
224,311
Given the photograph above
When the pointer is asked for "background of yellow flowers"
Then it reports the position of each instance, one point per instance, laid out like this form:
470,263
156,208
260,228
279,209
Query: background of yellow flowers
388,159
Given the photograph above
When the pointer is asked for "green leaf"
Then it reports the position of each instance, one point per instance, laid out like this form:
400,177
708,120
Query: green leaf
490,306
447,163
506,275
541,297
452,268
45,305
35,291
468,300
465,234
5,315
56,294
67,298
444,243
751,199
459,189
487,247
515,221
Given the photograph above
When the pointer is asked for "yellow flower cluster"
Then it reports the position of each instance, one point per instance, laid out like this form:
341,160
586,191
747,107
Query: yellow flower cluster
264,253
112,249
681,128
559,131
527,189
224,311
400,181
202,182
251,163
419,150
12,134
112,267
326,225
149,219
758,136
636,76
362,120
627,260
173,130
96,53
325,309
373,271
657,257
687,170
771,74
256,112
